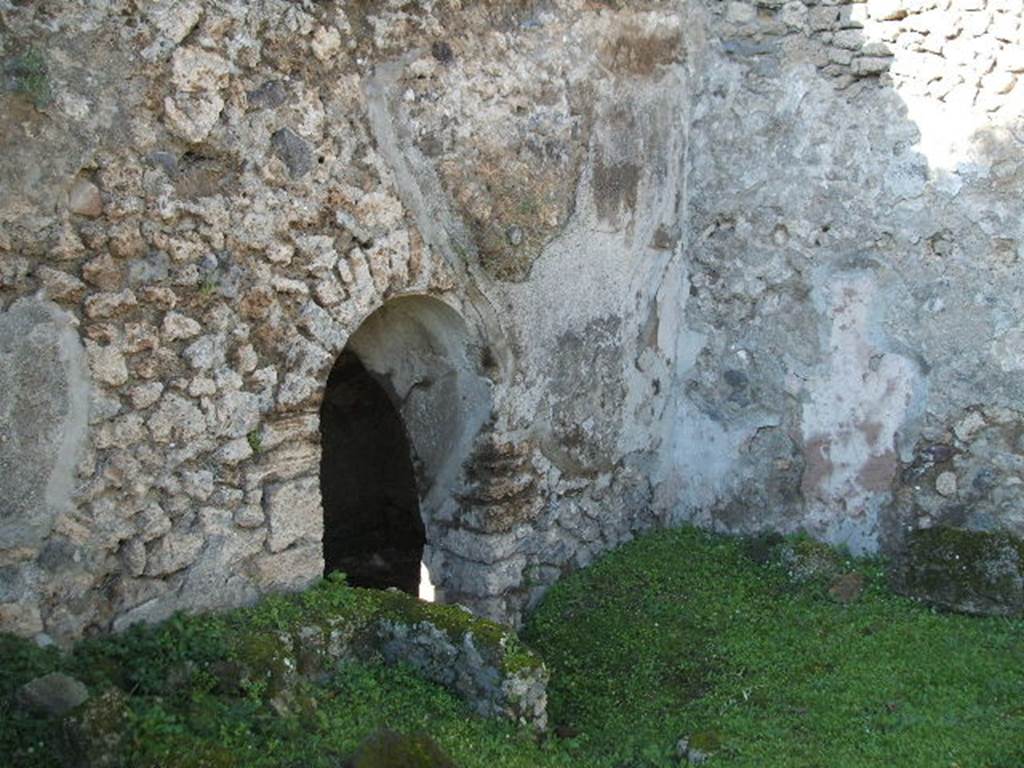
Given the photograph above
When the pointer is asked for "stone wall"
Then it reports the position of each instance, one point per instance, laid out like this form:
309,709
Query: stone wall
749,264
855,234
217,195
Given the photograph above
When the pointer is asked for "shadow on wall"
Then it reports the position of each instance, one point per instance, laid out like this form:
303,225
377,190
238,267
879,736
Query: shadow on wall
403,404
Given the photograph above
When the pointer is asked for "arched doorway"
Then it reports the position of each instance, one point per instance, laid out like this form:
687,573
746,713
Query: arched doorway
402,406
372,526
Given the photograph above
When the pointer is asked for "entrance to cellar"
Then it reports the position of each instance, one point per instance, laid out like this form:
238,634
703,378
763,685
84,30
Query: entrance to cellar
402,407
373,530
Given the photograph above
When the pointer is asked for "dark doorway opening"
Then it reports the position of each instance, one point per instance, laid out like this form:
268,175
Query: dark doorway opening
372,525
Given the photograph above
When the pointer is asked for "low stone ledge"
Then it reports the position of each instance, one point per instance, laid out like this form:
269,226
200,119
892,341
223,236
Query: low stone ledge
275,650
286,639
482,662
973,572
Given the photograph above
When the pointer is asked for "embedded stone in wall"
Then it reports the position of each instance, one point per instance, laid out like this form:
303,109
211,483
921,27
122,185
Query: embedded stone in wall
585,389
293,512
44,395
966,473
293,568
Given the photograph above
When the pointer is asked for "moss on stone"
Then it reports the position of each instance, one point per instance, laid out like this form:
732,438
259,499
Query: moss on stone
971,571
499,642
29,76
706,741
264,650
808,559
518,658
387,749
804,559
268,663
94,733
276,656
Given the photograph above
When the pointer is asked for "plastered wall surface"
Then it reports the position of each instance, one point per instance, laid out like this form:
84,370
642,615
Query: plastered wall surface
752,265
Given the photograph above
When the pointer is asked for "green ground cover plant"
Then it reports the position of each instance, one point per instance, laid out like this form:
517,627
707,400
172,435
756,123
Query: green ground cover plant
740,647
684,633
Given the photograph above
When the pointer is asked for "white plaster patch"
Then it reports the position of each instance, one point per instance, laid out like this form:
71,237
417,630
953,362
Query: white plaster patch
857,403
1008,350
703,456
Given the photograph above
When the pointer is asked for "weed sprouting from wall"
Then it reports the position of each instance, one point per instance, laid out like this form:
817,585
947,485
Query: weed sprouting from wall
28,75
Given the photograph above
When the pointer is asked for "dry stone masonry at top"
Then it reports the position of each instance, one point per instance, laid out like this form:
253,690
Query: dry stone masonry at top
751,265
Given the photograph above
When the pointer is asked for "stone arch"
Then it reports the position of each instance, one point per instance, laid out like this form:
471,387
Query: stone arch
403,404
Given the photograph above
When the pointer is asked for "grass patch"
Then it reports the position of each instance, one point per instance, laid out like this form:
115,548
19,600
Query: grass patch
679,633
222,690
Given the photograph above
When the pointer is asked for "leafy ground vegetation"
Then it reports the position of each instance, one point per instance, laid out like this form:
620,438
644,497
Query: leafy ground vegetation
775,654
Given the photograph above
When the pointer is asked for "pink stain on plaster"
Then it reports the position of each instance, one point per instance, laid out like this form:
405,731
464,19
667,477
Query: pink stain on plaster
857,403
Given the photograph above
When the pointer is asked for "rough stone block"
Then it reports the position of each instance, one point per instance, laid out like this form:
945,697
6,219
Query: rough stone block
105,272
176,418
178,326
292,569
21,619
59,285
173,552
101,306
887,10
740,13
54,694
293,512
84,199
293,151
970,571
871,65
44,401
